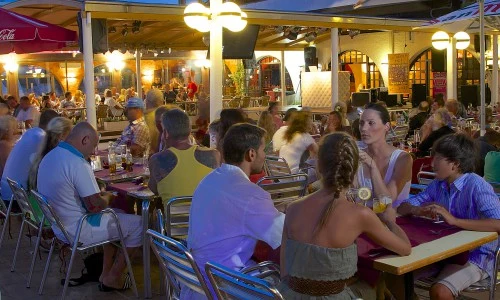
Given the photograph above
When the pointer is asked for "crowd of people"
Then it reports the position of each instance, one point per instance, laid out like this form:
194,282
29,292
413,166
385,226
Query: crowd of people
220,164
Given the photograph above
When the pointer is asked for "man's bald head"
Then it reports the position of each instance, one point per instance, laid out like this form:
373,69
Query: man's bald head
84,138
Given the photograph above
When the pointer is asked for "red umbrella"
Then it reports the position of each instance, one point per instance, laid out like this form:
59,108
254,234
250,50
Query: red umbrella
22,34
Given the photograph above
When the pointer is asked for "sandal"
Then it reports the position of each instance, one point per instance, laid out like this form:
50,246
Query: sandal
126,285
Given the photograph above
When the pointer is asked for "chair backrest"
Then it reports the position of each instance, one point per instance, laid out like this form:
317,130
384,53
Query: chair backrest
276,166
20,195
235,103
284,189
401,132
160,222
265,101
229,284
177,220
424,177
420,164
177,263
102,111
245,101
50,215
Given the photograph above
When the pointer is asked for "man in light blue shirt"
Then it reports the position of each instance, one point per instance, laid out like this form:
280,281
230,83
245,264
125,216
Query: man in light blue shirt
462,199
23,155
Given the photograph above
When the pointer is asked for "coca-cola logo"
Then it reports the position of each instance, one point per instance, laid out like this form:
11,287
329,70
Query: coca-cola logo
7,34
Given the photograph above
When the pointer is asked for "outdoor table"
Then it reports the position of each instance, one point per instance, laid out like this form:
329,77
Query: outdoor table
427,249
145,195
105,178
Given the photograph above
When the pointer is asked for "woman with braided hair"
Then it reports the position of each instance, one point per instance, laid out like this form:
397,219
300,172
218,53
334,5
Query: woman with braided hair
318,251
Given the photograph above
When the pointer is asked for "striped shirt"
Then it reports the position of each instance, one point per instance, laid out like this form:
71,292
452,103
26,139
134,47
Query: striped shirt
468,197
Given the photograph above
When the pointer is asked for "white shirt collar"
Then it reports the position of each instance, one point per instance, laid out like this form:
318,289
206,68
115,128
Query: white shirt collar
227,168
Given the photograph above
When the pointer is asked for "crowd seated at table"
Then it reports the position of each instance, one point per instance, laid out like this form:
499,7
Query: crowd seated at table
230,213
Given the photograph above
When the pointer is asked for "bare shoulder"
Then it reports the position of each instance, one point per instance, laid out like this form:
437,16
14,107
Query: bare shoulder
208,157
404,159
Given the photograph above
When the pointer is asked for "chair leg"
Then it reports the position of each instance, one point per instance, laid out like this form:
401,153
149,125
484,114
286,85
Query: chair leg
17,246
68,271
129,265
35,251
6,223
47,265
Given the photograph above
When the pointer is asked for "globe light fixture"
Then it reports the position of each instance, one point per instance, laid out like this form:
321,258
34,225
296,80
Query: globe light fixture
463,40
228,15
237,26
440,40
196,16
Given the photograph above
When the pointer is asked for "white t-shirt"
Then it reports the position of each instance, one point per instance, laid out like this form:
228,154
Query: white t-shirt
292,151
228,215
279,138
20,160
111,102
65,177
30,114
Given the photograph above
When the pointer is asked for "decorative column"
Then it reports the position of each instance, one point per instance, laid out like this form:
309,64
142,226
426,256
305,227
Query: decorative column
334,36
451,70
494,78
138,72
283,79
217,68
88,66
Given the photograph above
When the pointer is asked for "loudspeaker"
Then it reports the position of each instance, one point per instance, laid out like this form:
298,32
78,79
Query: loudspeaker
382,96
469,94
374,95
419,94
487,43
99,34
310,57
438,60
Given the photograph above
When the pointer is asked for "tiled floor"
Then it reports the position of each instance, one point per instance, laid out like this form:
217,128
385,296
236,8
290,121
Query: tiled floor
13,284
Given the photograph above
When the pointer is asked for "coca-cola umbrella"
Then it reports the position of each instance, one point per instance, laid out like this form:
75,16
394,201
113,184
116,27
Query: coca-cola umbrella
22,34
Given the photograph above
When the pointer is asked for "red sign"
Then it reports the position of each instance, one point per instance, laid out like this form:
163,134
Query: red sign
439,84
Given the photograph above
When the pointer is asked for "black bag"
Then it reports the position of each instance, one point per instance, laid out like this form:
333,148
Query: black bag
91,272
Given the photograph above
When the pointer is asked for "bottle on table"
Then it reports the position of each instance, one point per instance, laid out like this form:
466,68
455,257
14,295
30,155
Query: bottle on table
129,161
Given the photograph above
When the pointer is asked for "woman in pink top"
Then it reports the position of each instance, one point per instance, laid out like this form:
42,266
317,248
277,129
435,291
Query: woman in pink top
273,110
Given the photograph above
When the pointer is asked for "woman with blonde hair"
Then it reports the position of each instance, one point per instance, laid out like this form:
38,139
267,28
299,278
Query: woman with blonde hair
34,100
266,121
78,98
8,127
298,141
318,247
57,130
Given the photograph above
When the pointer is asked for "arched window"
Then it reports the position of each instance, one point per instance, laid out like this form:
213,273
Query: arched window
103,78
467,70
365,71
35,79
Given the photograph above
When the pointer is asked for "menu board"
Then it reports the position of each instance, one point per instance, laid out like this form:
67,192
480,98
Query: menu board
398,73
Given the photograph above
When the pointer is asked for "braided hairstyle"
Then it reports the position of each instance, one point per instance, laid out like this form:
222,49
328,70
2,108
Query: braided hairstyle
338,160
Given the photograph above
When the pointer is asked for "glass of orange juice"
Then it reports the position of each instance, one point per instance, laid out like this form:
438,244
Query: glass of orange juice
380,204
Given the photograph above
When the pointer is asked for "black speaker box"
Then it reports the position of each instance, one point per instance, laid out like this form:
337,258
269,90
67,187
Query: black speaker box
487,43
419,94
438,60
310,56
99,35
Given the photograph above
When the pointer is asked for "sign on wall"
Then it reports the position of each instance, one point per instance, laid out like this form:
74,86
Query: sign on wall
399,65
439,84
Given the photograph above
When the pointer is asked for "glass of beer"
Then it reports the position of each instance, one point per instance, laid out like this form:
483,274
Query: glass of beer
112,164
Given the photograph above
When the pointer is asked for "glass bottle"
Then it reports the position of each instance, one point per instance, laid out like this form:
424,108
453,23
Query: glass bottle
130,161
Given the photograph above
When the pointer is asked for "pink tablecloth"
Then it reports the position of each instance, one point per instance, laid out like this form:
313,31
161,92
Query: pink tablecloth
123,188
417,229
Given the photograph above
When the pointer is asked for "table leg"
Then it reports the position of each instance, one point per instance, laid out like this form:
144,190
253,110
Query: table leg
409,290
145,249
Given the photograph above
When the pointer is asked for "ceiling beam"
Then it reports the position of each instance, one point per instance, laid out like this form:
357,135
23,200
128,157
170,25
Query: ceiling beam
280,38
163,30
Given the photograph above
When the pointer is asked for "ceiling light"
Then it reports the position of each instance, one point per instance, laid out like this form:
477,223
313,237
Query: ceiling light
112,29
278,29
136,26
124,30
311,36
289,34
228,14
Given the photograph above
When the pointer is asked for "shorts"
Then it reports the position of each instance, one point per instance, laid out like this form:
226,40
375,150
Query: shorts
457,278
131,226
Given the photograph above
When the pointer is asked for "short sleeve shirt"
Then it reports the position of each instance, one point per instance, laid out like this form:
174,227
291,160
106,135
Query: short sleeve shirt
65,178
30,114
292,151
136,132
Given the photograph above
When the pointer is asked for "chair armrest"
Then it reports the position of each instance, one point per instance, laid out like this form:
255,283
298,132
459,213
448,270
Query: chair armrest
262,267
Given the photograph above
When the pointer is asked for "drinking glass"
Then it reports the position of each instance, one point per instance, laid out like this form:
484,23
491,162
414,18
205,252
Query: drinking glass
380,204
